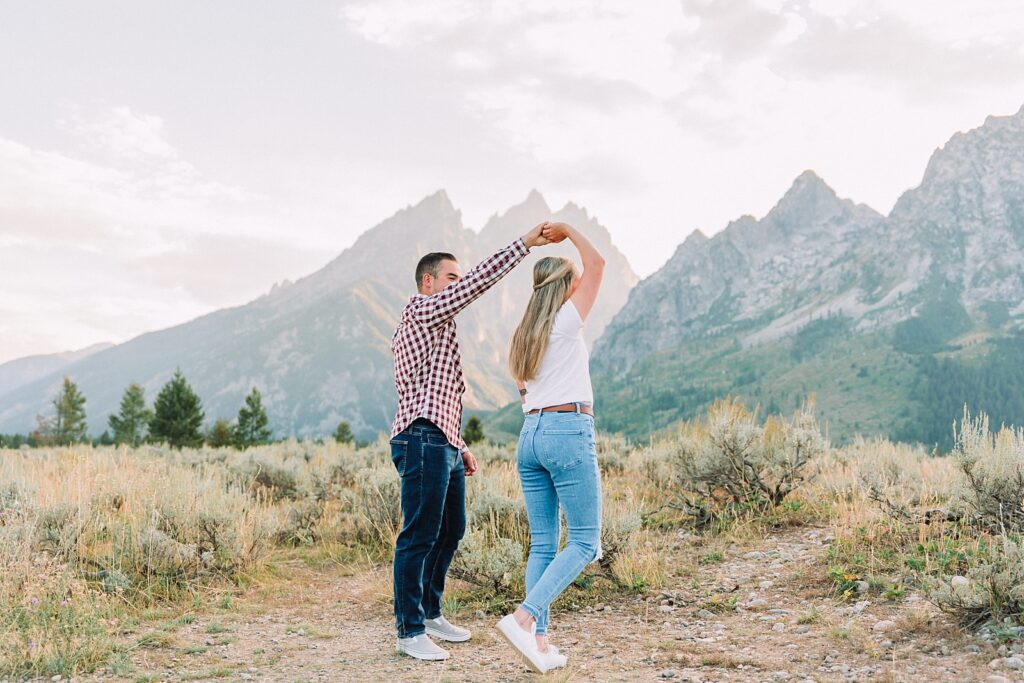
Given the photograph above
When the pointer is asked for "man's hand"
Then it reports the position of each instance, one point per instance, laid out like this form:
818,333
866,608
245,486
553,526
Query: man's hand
469,461
536,238
555,232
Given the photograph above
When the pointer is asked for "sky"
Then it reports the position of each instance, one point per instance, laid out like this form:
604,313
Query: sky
159,160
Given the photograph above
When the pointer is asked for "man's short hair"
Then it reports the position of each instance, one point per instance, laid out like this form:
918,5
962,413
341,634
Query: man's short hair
431,263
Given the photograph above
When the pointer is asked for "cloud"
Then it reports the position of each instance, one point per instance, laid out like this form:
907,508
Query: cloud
564,84
103,251
733,29
889,49
123,133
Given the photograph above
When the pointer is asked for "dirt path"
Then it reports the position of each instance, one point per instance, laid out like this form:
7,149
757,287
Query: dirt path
773,621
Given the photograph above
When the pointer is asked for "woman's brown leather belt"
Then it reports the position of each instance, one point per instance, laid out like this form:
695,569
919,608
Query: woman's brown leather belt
564,408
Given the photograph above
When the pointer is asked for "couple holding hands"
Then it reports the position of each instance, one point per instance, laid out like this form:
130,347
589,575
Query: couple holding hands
556,455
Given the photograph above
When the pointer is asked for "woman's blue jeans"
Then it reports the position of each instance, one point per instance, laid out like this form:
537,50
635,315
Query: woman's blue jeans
557,461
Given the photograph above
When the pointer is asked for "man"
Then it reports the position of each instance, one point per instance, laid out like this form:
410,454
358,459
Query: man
426,446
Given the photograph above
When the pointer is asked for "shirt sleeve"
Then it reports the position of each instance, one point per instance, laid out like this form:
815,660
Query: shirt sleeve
443,306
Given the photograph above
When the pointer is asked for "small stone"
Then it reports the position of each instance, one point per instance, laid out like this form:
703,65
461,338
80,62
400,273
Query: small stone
802,629
959,581
883,626
667,673
996,678
754,555
704,614
778,627
995,663
757,602
1014,663
56,678
666,608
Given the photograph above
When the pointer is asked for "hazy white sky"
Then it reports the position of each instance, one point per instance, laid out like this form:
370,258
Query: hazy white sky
160,160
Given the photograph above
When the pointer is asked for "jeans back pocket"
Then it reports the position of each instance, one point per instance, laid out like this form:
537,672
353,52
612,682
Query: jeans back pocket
563,447
399,451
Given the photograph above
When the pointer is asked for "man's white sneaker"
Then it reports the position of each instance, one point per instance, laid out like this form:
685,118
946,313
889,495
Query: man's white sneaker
421,647
443,629
524,642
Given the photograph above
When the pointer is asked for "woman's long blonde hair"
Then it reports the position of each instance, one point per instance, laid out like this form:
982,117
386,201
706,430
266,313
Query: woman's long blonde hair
552,280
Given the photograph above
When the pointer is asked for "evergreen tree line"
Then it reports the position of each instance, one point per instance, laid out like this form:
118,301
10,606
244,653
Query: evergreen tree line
176,418
990,384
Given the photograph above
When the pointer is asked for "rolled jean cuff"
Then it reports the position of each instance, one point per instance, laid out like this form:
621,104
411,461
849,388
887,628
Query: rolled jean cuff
532,611
412,635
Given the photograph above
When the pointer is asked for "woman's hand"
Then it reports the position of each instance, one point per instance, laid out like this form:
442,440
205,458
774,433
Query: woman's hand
556,232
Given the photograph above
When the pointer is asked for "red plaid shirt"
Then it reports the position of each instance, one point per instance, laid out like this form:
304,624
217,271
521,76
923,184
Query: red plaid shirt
428,366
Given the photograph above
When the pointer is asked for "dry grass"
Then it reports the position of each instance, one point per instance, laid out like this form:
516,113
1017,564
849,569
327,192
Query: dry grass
94,539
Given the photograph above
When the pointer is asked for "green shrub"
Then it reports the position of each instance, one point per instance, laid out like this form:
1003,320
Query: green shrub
493,563
991,590
731,461
378,508
993,469
300,526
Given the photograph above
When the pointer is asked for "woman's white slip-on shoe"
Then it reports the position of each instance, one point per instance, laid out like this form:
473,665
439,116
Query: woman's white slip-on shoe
421,647
524,642
554,658
445,630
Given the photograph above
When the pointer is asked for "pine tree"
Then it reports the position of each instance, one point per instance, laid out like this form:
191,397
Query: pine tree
343,434
252,427
132,422
474,431
221,434
177,414
69,425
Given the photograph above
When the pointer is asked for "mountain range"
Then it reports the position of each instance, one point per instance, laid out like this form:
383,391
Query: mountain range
827,297
318,349
892,322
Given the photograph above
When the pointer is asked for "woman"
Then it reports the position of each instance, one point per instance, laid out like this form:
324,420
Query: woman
556,456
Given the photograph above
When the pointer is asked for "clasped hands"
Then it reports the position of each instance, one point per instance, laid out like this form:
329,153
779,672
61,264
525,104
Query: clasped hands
548,232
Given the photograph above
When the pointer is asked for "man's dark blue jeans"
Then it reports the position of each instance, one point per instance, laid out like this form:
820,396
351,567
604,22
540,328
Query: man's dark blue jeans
433,522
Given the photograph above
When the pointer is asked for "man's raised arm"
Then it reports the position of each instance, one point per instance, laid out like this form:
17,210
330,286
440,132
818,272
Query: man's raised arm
439,308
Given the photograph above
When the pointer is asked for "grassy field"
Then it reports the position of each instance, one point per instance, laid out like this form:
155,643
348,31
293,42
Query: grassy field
96,541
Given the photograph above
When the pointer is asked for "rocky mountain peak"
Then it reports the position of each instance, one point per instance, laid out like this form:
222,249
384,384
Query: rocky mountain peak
535,200
809,201
992,148
438,201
